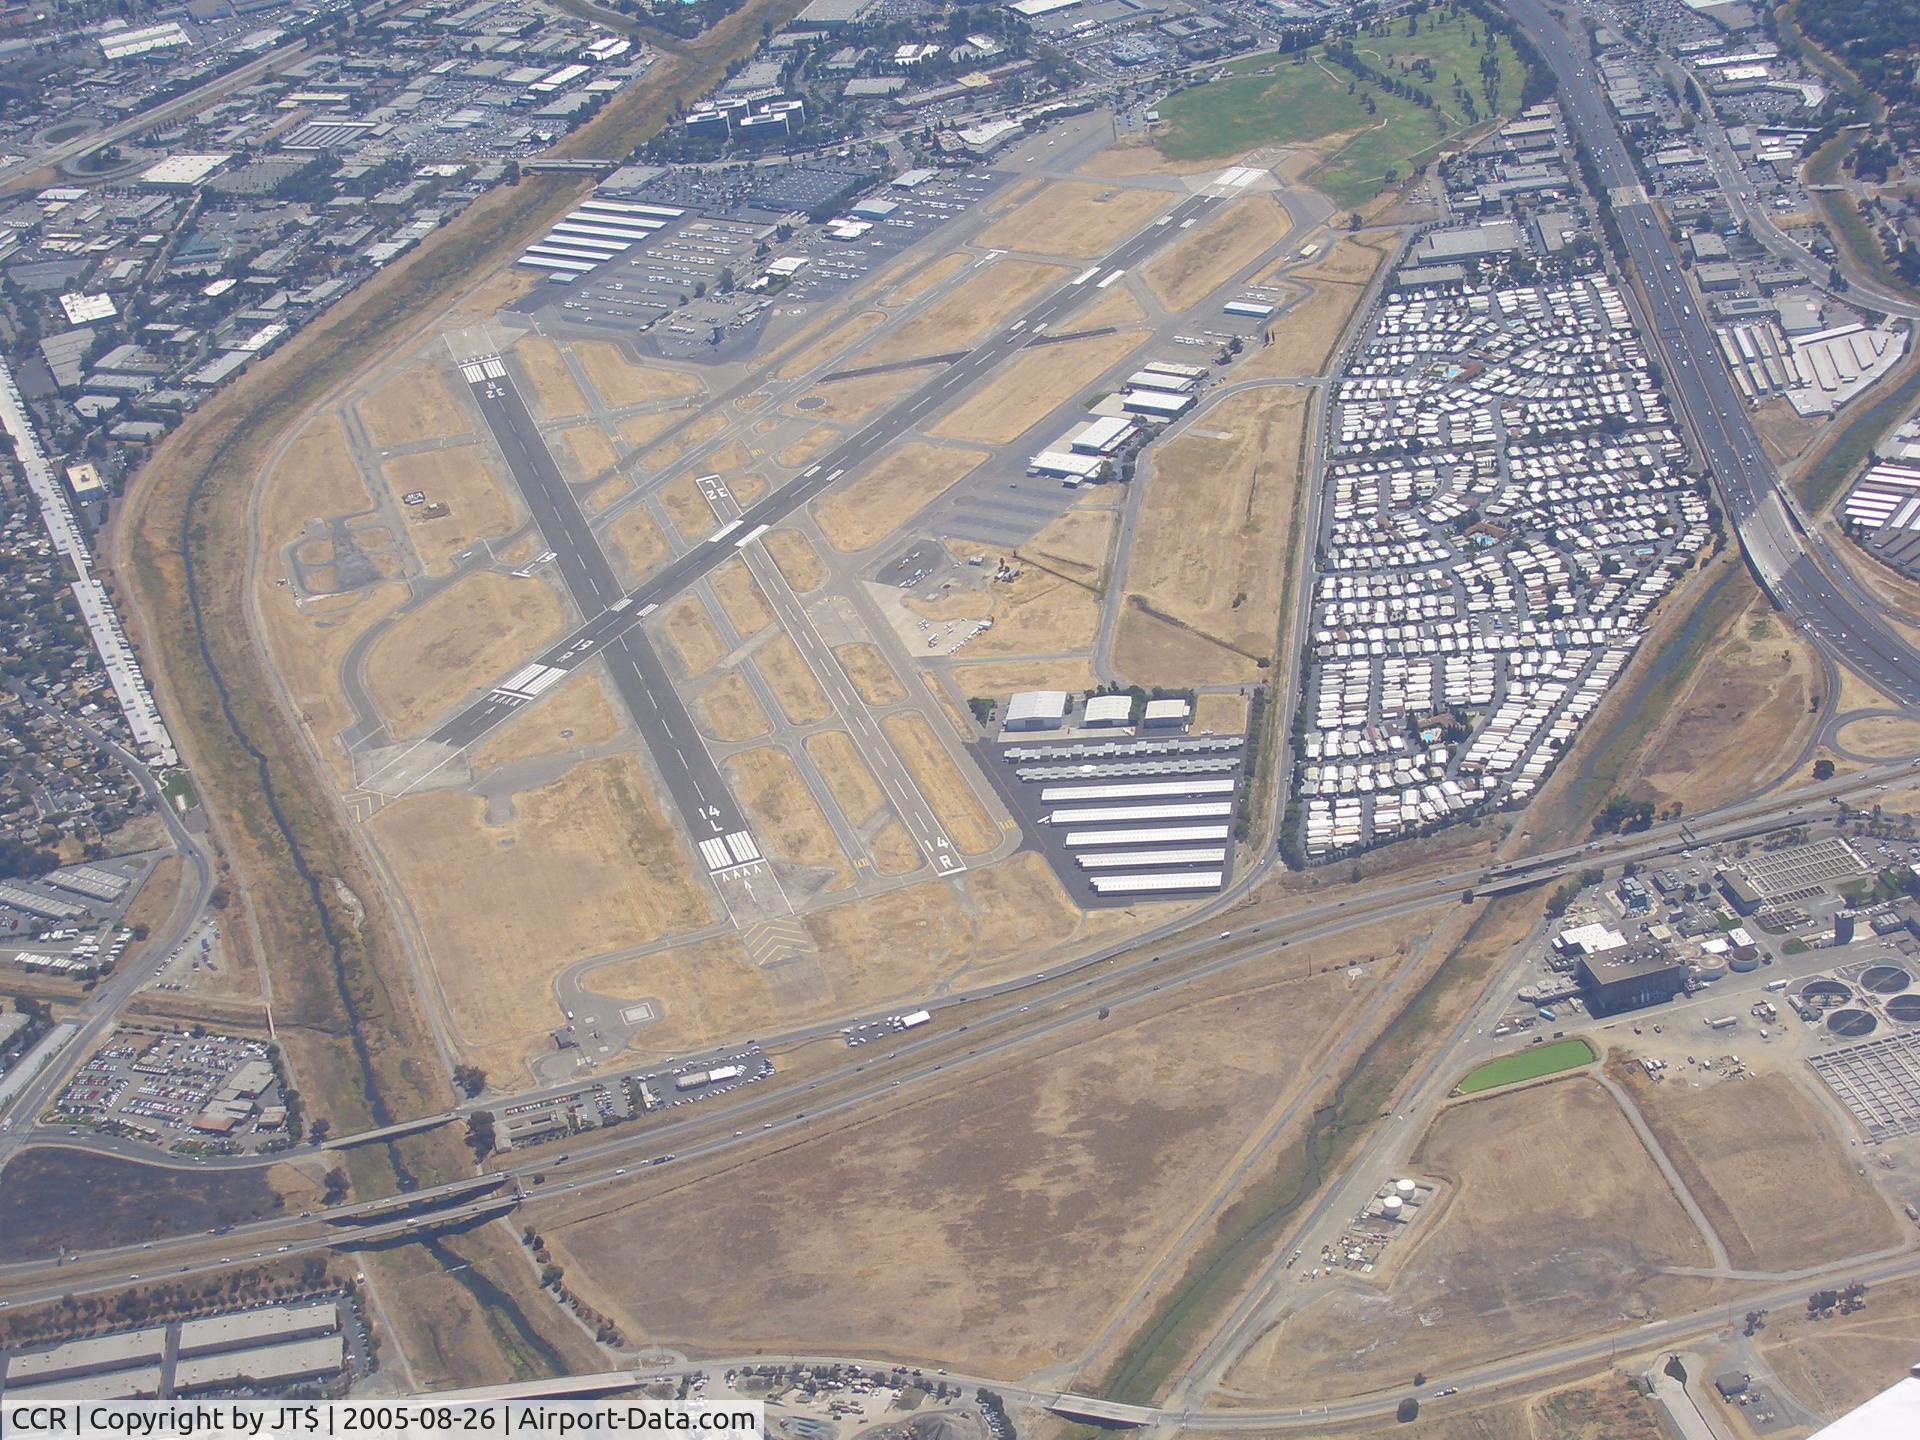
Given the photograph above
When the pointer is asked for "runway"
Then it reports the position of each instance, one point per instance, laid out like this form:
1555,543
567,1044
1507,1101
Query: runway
1825,601
706,806
612,629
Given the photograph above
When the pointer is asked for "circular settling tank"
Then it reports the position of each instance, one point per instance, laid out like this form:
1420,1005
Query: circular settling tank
1851,1023
1905,1009
1825,992
1885,980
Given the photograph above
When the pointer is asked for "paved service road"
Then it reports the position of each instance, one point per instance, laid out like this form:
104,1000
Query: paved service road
1825,601
618,615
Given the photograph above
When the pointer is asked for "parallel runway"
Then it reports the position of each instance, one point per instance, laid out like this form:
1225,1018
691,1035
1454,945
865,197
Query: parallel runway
698,792
1826,601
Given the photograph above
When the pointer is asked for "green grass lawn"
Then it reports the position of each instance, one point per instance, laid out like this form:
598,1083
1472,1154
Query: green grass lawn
179,790
1295,99
1528,1064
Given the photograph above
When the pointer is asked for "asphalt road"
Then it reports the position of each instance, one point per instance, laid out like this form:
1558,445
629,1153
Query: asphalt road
1825,602
608,625
1111,979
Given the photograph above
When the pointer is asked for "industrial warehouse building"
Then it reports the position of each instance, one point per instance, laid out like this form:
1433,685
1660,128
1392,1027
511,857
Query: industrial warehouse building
1037,710
1607,988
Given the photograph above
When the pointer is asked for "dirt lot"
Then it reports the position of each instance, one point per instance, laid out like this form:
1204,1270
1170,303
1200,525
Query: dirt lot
795,690
690,636
463,481
583,865
788,822
555,396
873,678
635,544
1031,1199
963,316
1741,719
1550,1178
1607,1407
1209,255
1766,1165
1135,157
410,406
1209,555
729,712
1000,678
469,634
575,712
740,598
1078,219
889,491
620,382
798,563
968,826
1019,396
1076,545
1835,1364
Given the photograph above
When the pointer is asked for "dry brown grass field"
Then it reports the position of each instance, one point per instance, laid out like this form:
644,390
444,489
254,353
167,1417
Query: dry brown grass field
1884,737
889,491
822,341
1836,1364
926,277
314,479
1222,714
964,315
1217,519
1031,1198
854,789
798,562
690,636
1079,219
620,382
786,820
583,865
1037,613
1742,718
411,406
798,694
1767,1167
574,713
941,782
687,509
636,544
1211,254
307,644
997,679
460,640
809,443
639,431
461,479
1305,338
1019,396
729,712
555,396
740,598
1076,545
851,401
584,453
873,679
1553,1181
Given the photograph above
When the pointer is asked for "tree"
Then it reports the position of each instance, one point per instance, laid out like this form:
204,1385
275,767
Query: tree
480,1133
319,1130
336,1186
1823,769
1408,1411
470,1078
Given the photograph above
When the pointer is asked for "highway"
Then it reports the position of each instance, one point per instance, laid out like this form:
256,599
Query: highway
617,617
1002,1022
1823,599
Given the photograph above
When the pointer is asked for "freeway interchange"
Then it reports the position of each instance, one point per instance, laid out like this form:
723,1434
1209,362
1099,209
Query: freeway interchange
994,1024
